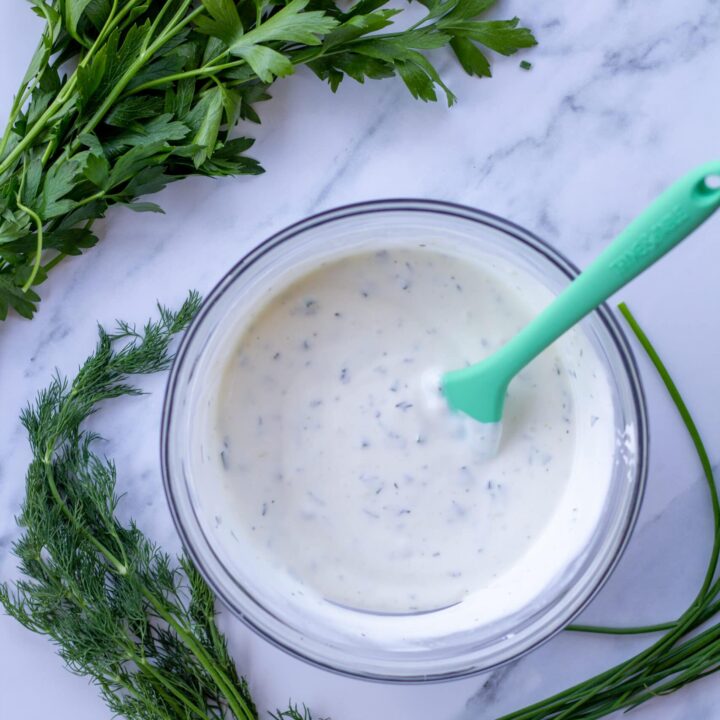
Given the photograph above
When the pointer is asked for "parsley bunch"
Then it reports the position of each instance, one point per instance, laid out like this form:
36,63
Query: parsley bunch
123,97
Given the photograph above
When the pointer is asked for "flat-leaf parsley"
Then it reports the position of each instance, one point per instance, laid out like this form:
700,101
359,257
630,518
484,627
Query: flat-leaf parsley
122,98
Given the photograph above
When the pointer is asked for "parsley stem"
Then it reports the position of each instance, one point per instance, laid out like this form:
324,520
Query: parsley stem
37,128
177,26
38,243
55,261
297,57
204,71
300,57
66,91
157,20
90,198
132,71
19,100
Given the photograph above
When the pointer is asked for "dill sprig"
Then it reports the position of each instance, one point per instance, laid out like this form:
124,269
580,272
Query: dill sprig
118,608
294,713
123,97
687,651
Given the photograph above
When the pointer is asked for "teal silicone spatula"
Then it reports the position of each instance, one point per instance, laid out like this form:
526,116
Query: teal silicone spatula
479,390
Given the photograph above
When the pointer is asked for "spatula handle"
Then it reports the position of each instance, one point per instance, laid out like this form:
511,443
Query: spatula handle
479,390
666,222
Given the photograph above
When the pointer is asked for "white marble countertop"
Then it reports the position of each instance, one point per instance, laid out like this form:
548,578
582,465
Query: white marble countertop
623,97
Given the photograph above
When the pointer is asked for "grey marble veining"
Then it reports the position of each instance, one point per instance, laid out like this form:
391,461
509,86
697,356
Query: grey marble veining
622,98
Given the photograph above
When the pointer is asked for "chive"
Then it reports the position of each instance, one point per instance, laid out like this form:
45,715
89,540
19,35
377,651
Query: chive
680,656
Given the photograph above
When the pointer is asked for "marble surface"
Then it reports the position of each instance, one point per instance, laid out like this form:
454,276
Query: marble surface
623,97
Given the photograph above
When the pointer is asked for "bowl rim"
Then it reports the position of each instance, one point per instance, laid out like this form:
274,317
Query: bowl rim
607,316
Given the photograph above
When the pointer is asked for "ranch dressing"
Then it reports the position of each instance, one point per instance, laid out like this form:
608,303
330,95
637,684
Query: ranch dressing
341,466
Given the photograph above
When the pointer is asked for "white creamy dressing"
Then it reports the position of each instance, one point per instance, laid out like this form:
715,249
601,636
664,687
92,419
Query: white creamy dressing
340,465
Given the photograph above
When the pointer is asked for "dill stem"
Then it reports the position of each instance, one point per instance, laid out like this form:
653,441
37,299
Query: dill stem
149,669
117,565
235,700
105,683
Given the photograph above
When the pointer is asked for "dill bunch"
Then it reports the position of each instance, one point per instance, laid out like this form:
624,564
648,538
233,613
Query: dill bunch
120,610
123,97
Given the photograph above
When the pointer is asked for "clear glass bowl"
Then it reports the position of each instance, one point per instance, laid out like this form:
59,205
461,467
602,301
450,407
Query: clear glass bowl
367,645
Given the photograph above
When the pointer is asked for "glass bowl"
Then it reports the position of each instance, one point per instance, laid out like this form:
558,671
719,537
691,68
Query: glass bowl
419,647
